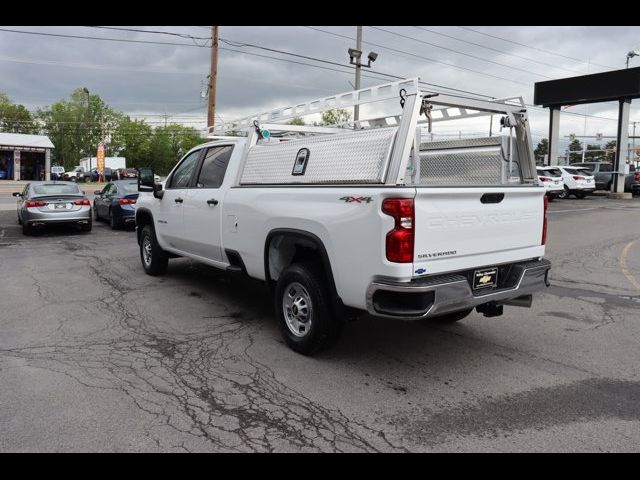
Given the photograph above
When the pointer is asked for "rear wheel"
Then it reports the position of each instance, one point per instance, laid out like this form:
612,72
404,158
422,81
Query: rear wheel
96,216
564,193
452,317
154,259
86,227
580,195
113,222
303,309
26,229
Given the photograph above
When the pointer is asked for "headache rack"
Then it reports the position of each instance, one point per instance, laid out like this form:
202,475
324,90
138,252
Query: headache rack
390,150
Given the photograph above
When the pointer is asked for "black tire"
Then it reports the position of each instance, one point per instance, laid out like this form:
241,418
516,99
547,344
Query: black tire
580,195
551,198
96,216
609,186
302,287
19,220
113,223
453,317
26,229
564,193
87,227
158,260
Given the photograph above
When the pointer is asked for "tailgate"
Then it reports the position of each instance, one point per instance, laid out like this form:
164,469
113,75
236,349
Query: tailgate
460,228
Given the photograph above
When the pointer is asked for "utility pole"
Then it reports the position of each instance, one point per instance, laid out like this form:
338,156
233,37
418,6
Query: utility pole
213,77
356,109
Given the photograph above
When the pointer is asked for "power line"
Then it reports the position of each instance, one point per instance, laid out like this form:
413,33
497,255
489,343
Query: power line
533,48
457,51
497,50
182,35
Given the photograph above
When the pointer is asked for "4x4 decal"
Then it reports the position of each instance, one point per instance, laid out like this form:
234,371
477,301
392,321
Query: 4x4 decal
356,199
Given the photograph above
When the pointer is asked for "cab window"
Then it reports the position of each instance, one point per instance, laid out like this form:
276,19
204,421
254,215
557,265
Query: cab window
214,167
182,175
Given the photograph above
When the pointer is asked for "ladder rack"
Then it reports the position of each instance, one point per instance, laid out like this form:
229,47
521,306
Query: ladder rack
376,93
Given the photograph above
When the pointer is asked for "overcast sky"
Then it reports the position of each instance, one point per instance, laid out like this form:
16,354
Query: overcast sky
151,79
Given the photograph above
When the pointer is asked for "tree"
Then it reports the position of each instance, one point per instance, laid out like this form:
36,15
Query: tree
296,121
132,140
15,118
590,155
74,127
335,117
542,149
169,144
575,145
610,148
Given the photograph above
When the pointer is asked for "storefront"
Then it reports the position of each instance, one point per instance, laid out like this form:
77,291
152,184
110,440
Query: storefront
25,157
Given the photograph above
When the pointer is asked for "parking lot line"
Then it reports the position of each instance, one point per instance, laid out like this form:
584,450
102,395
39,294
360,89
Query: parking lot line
623,264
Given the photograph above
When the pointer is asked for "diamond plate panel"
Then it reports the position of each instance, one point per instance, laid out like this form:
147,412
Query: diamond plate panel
356,157
464,143
454,167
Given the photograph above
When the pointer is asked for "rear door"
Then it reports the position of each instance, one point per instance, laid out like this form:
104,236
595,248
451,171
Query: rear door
459,228
203,206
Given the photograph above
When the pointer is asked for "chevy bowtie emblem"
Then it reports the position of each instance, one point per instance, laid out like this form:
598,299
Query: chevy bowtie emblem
485,279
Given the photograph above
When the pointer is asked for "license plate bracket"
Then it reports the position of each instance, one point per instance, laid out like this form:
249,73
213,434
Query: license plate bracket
485,278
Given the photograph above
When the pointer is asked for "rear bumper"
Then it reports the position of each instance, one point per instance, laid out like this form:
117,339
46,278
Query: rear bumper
440,294
81,216
589,189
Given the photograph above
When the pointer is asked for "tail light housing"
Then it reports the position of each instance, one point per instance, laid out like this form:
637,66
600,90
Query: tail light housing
545,179
578,177
127,201
400,240
544,221
34,203
636,177
83,202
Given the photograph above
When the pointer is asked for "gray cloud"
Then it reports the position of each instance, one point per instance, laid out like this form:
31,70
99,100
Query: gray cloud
154,79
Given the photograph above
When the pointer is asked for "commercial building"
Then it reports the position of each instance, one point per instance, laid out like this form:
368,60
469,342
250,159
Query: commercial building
25,157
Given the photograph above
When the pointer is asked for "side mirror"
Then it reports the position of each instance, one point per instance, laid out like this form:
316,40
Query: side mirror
146,182
16,194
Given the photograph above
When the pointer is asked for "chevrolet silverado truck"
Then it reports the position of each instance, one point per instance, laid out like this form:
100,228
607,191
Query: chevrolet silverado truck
369,216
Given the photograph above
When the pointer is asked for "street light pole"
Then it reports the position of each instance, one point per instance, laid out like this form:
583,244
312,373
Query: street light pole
86,90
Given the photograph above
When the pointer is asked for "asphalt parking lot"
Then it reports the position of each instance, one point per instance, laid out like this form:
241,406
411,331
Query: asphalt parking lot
97,356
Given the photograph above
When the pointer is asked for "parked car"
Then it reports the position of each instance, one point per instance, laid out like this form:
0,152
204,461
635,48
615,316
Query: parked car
45,203
578,181
78,174
3,174
124,173
551,179
95,175
604,176
116,203
57,172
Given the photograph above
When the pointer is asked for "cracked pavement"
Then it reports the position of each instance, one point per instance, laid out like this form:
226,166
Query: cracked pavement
97,356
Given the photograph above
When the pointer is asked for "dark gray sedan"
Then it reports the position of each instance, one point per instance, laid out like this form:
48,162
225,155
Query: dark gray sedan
45,203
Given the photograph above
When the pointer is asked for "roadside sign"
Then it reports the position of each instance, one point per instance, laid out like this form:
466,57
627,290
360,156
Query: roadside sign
100,161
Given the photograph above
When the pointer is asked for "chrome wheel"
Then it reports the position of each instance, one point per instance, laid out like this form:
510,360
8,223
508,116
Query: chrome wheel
297,309
146,251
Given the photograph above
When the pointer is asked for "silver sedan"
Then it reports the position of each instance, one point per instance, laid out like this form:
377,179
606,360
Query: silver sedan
44,203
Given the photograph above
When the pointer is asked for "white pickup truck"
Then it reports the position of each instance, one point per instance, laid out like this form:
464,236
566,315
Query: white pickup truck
370,216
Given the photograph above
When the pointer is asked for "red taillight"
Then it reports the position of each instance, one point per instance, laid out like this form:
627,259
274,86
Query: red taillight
84,201
544,221
636,176
545,179
400,240
127,201
32,204
578,177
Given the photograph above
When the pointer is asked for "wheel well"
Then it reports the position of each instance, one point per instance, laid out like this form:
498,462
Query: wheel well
287,246
143,217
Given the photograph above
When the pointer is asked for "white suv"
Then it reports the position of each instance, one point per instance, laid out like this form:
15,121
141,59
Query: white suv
551,179
578,181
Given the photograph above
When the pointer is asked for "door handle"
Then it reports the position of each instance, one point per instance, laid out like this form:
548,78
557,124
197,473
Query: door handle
212,201
178,200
